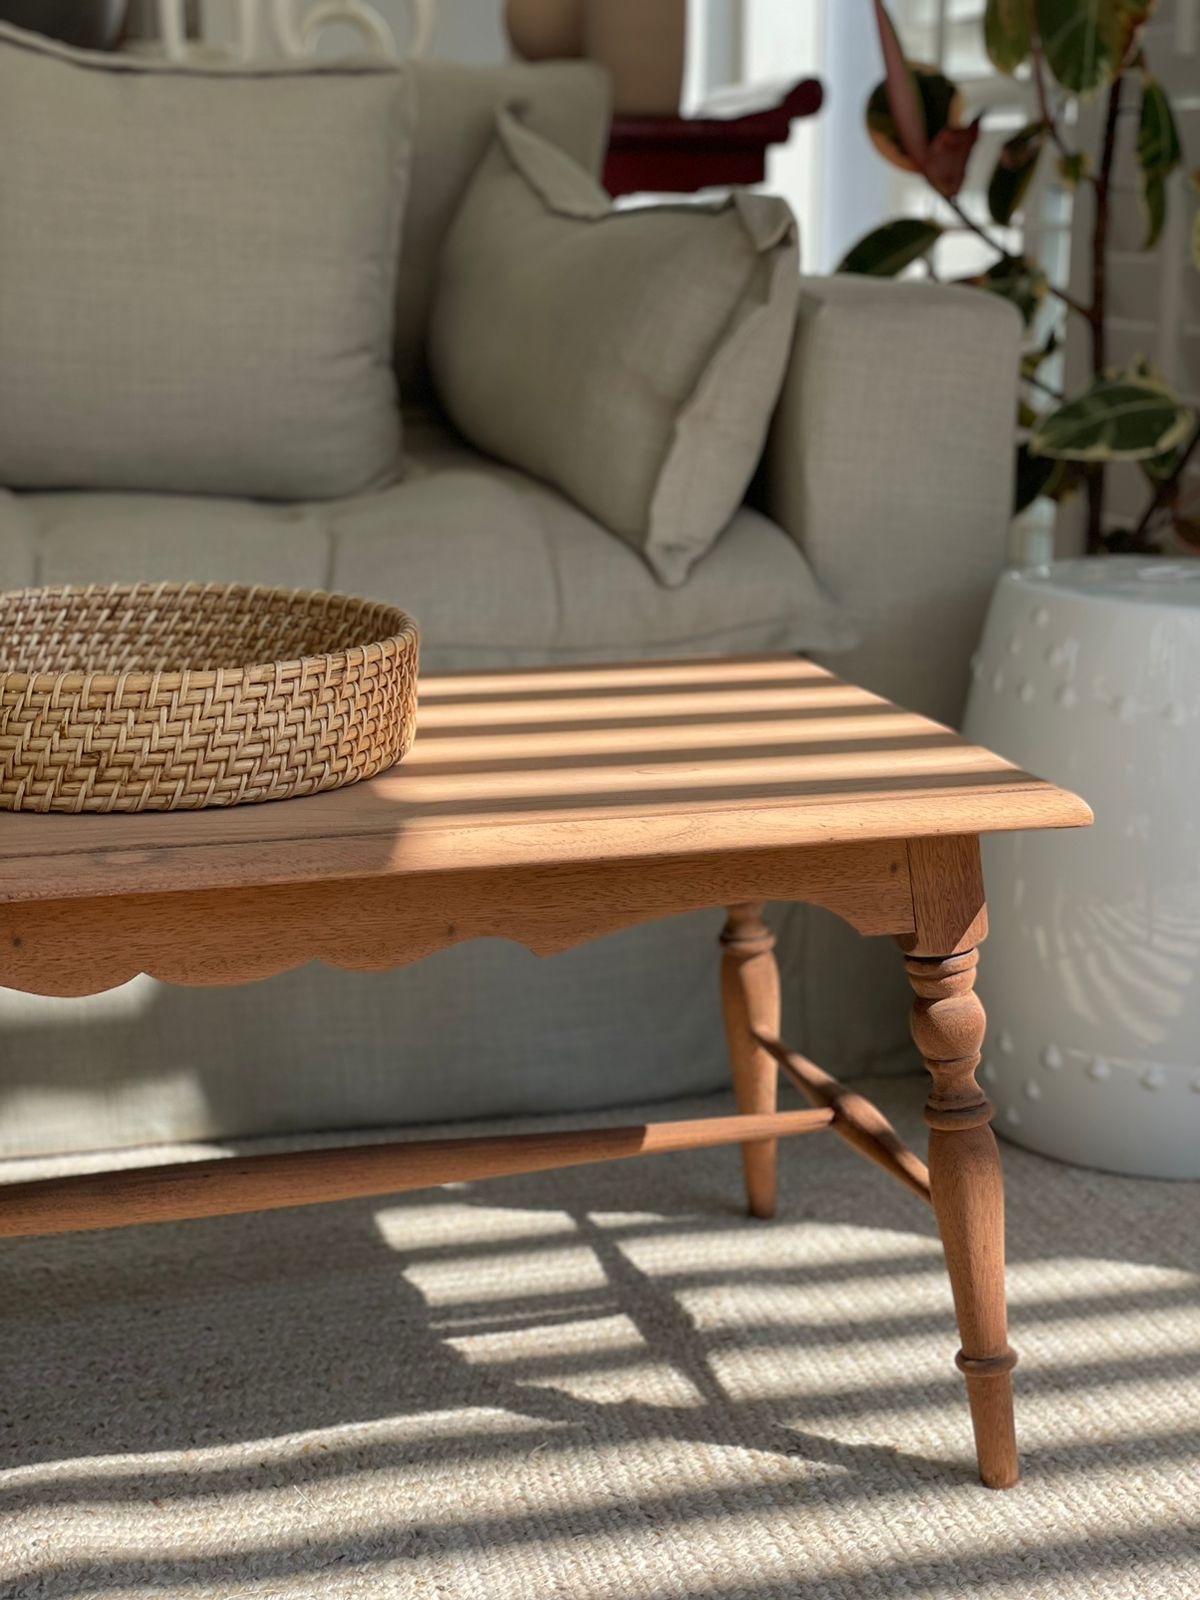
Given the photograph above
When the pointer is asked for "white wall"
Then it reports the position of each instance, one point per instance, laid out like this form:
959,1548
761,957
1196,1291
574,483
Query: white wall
465,30
833,179
828,171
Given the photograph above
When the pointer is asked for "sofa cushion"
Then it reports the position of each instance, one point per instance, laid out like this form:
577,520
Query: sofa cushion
18,542
197,273
499,570
534,579
630,357
565,101
158,538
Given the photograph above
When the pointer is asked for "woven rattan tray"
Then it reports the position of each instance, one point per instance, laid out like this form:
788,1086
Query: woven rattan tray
156,697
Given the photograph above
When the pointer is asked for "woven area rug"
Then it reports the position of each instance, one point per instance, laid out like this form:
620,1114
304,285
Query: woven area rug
604,1384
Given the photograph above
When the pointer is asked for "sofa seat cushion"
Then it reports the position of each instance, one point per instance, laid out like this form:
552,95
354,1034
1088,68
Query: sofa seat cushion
499,570
535,579
158,538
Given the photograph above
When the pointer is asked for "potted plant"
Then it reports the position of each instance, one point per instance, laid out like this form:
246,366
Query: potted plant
1069,50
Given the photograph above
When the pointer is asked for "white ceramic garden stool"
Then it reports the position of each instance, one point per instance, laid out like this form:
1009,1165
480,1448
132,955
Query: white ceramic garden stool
1089,674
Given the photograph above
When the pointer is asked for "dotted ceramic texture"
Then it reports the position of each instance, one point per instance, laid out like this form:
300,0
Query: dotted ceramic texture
1087,673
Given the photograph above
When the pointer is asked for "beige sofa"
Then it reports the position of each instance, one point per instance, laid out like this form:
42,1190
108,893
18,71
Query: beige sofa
877,526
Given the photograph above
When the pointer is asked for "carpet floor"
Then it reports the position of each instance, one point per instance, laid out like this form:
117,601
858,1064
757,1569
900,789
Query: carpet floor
603,1384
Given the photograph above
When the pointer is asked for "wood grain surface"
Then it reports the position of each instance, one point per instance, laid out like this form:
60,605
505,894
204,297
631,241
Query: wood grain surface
552,807
548,768
224,936
229,1185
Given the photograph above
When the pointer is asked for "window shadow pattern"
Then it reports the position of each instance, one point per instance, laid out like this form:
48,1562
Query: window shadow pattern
217,1329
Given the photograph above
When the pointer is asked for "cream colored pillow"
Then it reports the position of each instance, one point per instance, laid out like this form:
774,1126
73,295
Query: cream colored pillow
632,358
197,273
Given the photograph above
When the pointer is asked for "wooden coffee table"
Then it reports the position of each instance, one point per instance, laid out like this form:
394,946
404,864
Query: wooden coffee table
551,807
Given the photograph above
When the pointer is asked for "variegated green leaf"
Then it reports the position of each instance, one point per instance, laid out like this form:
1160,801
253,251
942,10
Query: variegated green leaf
1017,279
1154,199
1159,153
1160,469
1006,33
1158,147
1084,41
1014,172
1134,16
888,250
1114,419
939,104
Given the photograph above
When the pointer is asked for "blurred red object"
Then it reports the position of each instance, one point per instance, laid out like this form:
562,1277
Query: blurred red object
678,155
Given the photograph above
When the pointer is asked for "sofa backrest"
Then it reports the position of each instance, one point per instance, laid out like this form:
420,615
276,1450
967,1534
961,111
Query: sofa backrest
567,101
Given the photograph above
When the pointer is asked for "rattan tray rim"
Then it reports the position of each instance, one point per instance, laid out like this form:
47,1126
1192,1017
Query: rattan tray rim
89,722
404,627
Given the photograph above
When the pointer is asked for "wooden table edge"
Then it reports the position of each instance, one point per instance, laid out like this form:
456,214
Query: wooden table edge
650,837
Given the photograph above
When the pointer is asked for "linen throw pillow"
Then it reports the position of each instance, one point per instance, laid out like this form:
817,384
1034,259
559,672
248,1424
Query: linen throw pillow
197,273
632,358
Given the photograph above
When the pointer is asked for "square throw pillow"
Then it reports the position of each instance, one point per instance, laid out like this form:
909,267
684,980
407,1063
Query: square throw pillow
197,273
632,358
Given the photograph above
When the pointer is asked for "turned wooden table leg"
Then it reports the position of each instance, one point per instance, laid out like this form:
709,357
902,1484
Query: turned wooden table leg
750,998
967,1188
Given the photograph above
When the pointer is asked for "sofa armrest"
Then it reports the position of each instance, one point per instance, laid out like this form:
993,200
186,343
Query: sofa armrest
890,463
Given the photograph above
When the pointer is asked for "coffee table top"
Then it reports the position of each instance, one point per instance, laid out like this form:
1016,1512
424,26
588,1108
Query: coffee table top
554,766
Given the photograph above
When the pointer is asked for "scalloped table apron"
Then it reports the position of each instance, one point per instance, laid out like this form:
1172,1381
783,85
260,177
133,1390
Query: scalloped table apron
552,807
1090,670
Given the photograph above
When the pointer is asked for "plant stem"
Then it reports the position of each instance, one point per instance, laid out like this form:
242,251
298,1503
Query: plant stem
968,221
1100,231
1040,383
1099,307
1165,492
981,233
1068,300
1049,120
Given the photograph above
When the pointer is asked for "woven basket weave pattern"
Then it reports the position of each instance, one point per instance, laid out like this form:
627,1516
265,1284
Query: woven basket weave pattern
160,697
